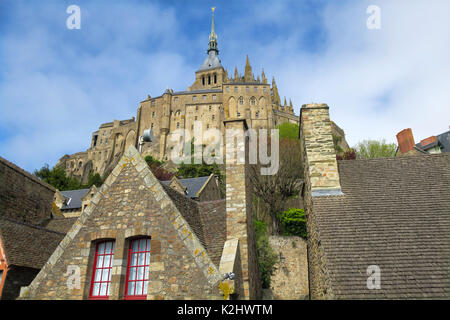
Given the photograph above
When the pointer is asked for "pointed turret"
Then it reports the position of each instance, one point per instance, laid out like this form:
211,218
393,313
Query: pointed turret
213,35
212,61
291,107
275,96
248,76
225,76
236,74
263,77
285,103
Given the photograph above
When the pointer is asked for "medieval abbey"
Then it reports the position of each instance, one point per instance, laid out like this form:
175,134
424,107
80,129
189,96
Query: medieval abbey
213,97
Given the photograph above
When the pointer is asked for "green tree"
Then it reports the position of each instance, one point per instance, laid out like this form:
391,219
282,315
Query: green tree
57,178
288,130
267,257
369,149
293,222
94,179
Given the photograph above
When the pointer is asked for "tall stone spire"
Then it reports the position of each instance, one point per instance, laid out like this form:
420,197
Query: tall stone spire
213,35
248,76
236,74
263,77
275,96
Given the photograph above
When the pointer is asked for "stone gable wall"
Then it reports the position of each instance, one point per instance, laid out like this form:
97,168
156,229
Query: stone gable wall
121,210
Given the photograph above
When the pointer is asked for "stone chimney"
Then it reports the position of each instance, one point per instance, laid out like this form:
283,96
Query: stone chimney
239,216
318,153
405,140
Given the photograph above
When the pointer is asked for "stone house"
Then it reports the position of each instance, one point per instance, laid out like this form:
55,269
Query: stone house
430,145
140,239
377,228
71,203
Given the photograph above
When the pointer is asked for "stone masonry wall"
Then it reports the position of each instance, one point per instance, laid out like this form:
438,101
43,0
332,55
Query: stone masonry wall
239,210
121,210
320,287
290,279
23,196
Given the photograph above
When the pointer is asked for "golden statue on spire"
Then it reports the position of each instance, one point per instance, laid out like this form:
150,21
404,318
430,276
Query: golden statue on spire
213,8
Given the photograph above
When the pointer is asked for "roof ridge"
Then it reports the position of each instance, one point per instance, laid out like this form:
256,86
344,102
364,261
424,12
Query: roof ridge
26,173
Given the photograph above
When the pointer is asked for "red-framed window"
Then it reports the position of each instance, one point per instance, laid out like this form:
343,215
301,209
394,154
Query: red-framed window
101,274
138,268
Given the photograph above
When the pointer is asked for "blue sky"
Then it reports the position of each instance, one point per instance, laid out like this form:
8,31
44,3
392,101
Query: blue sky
58,85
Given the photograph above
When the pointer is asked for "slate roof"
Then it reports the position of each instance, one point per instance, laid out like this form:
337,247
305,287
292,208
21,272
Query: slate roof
193,185
443,140
73,198
206,219
27,245
395,213
59,224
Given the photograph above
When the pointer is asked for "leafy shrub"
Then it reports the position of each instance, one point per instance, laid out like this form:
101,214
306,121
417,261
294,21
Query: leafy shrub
293,222
267,258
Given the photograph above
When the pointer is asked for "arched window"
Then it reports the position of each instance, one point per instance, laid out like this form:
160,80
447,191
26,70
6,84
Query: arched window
241,100
209,79
138,268
101,274
203,80
215,78
253,101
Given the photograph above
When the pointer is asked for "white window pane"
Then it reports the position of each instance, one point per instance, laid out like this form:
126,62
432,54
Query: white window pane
133,259
101,248
110,274
113,247
145,287
100,261
147,259
142,245
141,259
146,272
139,288
148,244
103,288
98,274
140,273
108,247
132,274
134,245
107,261
95,290
105,275
131,288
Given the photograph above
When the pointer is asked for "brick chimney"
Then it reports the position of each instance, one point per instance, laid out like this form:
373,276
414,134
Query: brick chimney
239,216
405,140
428,141
318,153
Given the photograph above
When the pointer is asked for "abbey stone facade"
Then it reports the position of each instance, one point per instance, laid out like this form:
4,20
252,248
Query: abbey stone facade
213,97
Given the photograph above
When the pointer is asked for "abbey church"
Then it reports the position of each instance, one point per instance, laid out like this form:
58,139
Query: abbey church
212,98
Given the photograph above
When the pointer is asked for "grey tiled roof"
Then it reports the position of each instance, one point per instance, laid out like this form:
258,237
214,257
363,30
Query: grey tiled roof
443,140
73,198
27,245
193,185
59,224
395,213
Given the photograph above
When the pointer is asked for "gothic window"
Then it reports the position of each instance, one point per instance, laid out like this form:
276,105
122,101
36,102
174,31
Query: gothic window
209,108
138,269
214,97
101,274
209,79
253,101
241,100
203,80
215,78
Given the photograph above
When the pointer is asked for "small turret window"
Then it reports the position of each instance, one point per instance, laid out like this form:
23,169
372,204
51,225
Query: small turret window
203,80
209,79
215,78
